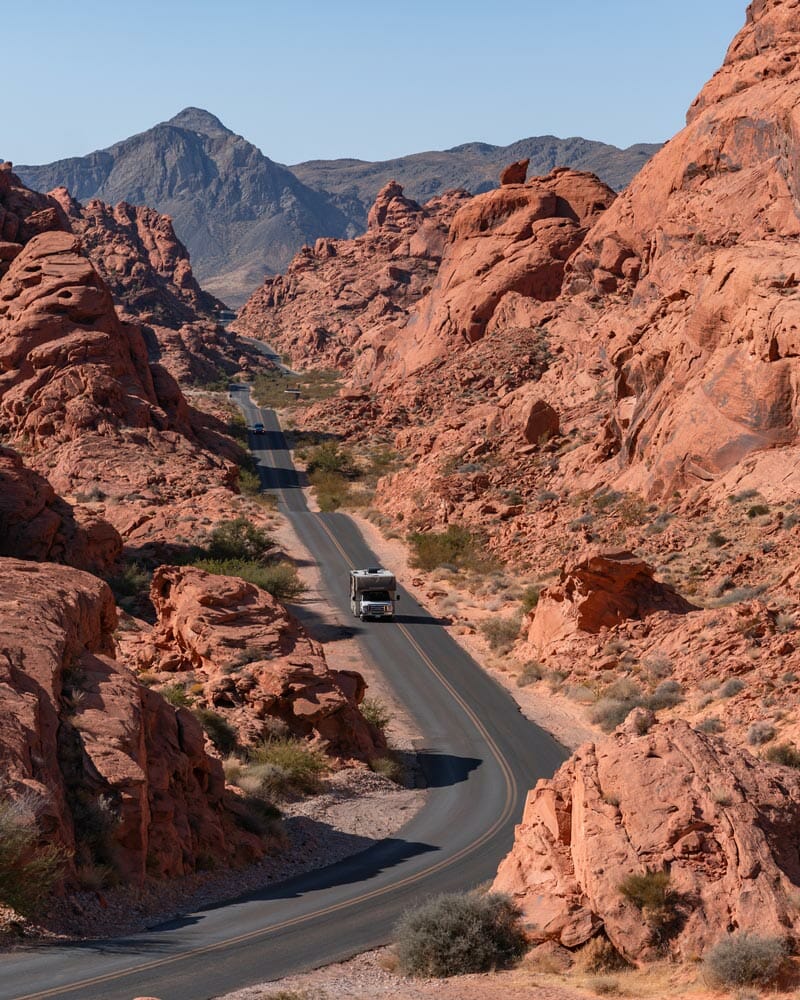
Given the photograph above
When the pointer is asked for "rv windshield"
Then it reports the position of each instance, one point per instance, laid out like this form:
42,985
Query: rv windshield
376,595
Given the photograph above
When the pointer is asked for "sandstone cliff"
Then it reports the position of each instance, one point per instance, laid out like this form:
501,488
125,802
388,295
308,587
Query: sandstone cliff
344,297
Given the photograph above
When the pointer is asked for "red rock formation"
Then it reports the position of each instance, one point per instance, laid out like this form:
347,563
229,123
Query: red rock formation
343,297
253,661
515,240
120,777
599,592
724,826
514,173
36,524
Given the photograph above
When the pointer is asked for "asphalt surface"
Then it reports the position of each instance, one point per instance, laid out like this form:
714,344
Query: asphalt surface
479,758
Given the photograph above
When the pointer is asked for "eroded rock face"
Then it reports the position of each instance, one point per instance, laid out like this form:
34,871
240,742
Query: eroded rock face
697,266
120,777
514,173
515,240
36,524
601,591
724,826
344,297
254,661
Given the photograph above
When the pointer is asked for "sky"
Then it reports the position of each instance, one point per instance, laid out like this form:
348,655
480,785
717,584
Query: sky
322,79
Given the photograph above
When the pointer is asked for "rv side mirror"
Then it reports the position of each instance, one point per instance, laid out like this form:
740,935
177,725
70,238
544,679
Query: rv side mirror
397,598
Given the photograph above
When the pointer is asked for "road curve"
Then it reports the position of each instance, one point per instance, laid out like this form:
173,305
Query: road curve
480,756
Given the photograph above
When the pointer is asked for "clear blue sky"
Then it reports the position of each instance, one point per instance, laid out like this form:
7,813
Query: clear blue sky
327,78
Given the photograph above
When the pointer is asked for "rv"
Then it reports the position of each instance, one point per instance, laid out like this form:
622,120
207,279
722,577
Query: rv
373,593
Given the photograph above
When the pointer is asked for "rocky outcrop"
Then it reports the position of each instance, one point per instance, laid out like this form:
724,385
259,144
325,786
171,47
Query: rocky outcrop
119,777
514,173
599,592
80,400
36,524
343,298
253,661
696,267
514,241
723,826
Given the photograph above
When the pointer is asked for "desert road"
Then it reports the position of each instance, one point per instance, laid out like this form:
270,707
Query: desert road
479,758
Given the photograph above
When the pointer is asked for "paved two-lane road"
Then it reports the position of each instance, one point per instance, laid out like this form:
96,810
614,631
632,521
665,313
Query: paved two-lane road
480,756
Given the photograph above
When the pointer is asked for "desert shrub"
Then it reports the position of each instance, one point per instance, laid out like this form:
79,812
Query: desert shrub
783,753
219,730
279,579
658,665
716,539
603,986
389,766
500,633
249,479
744,959
331,489
460,933
760,733
239,539
302,766
651,893
600,955
28,872
331,457
456,546
531,671
609,713
258,816
710,725
131,581
529,600
376,713
785,622
176,694
668,694
731,687
758,510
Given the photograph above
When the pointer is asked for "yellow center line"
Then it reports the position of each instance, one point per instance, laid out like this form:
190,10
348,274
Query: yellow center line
511,791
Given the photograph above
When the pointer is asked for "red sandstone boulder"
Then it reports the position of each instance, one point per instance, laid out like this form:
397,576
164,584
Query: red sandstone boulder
254,660
600,591
722,824
514,173
106,759
36,524
541,422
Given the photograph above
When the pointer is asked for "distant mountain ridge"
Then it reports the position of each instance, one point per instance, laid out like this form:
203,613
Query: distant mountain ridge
242,215
475,166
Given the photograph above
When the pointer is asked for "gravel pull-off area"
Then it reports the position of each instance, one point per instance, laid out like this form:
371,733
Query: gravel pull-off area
369,977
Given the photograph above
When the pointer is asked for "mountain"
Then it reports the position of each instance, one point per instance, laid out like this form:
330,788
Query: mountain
354,184
239,213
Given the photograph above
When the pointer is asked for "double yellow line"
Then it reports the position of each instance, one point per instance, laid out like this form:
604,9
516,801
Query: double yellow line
508,805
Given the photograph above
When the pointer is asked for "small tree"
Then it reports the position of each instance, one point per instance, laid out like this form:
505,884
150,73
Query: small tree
239,539
745,960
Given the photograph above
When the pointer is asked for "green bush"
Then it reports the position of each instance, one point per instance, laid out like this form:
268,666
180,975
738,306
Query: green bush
376,713
651,893
131,581
331,489
731,687
456,546
219,730
500,633
530,598
745,959
279,579
331,457
176,694
452,935
668,694
239,539
783,753
295,765
28,872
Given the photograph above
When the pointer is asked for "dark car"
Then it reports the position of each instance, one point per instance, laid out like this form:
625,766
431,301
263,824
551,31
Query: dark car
258,429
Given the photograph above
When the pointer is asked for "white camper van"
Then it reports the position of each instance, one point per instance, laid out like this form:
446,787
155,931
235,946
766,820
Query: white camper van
373,593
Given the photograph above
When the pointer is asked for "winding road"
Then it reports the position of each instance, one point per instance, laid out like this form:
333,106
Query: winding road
480,756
